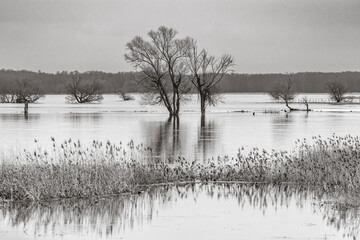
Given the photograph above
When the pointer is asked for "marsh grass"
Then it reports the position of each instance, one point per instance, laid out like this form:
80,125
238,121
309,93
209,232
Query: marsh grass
71,170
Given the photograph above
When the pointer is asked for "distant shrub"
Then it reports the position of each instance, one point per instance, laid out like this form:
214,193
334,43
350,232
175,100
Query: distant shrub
124,96
80,92
336,90
21,92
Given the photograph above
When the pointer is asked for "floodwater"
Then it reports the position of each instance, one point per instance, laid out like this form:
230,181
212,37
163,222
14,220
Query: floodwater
209,211
197,211
226,128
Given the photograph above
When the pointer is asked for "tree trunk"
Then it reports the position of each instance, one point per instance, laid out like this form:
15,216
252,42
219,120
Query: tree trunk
173,103
202,104
26,110
177,102
202,121
287,105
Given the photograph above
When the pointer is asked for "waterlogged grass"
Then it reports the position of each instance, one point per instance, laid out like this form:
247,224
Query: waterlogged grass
72,170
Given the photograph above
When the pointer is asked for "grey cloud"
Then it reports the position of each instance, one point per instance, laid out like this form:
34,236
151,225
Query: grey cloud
263,35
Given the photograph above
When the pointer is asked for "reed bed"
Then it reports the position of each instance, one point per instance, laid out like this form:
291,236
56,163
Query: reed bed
72,170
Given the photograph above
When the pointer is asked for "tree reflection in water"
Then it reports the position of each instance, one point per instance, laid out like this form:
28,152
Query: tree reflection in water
164,138
171,139
206,139
108,217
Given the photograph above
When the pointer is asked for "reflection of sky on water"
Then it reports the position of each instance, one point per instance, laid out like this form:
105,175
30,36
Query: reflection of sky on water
220,133
209,211
179,212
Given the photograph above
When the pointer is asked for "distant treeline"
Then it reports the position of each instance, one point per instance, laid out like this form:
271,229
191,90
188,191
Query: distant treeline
304,82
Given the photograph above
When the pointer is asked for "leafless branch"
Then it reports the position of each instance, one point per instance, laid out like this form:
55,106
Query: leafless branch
160,62
284,91
206,72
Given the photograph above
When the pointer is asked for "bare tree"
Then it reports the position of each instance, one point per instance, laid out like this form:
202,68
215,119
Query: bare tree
124,96
79,92
160,61
284,91
306,103
144,57
23,91
26,92
206,72
336,90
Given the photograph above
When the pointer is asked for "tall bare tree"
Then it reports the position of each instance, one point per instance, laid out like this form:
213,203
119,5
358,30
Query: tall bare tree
160,61
336,90
206,72
144,57
285,91
80,92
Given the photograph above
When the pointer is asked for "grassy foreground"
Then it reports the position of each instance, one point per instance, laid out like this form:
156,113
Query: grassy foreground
72,170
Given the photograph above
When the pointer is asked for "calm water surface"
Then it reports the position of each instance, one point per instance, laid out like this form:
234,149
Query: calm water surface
190,211
223,132
198,211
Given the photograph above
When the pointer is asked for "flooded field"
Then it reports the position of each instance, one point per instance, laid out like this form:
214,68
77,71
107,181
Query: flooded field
225,129
196,211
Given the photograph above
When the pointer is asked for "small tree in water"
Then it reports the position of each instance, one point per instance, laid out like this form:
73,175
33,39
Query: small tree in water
79,92
336,90
124,96
284,91
23,91
206,72
306,103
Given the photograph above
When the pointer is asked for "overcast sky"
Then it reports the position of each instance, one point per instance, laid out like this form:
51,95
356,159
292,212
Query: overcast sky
262,35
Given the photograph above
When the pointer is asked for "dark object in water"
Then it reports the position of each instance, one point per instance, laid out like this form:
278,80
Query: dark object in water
26,109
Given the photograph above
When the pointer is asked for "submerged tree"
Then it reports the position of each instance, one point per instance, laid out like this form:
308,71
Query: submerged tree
22,91
124,96
306,103
79,92
206,72
161,62
336,90
284,91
